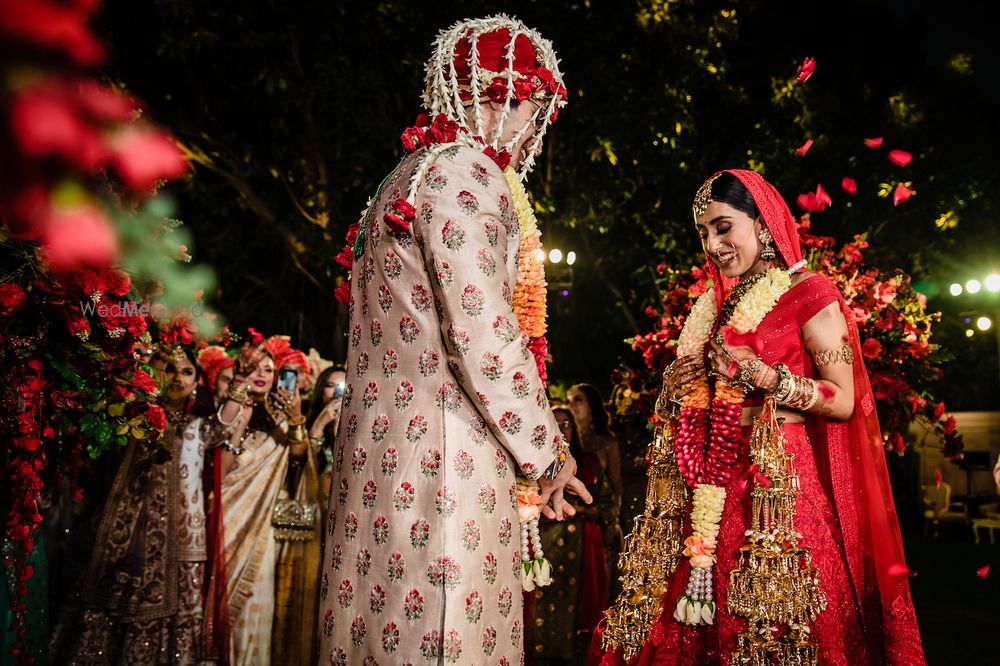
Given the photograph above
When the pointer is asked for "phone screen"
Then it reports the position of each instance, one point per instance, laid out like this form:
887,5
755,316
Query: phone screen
288,380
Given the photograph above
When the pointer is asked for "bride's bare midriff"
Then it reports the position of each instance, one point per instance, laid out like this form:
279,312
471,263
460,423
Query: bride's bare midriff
746,418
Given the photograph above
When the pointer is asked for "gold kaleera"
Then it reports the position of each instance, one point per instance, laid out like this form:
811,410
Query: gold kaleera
651,552
775,585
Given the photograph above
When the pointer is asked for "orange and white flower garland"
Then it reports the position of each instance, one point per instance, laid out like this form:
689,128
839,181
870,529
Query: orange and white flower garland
530,290
707,439
529,307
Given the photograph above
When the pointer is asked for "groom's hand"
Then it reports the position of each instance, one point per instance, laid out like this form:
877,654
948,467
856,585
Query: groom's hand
554,504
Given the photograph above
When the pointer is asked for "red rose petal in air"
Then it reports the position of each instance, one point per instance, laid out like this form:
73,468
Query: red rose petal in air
849,185
899,569
804,148
901,194
983,572
874,143
937,478
900,157
805,70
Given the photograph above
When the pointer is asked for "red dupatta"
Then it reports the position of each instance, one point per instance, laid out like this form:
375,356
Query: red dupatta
851,456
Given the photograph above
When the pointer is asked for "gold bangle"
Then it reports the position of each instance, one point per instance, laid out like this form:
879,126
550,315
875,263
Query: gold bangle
844,354
297,433
240,395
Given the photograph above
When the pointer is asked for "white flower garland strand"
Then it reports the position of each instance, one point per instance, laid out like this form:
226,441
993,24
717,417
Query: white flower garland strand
697,605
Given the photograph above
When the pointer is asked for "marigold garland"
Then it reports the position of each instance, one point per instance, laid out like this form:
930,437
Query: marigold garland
530,290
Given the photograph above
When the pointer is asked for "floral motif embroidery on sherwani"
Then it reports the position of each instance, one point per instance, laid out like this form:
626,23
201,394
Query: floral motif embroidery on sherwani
446,407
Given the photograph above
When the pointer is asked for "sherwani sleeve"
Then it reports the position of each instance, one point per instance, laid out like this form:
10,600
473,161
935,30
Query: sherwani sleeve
470,239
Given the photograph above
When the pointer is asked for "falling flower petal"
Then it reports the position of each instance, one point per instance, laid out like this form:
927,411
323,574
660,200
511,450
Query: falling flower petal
874,143
937,478
983,572
814,202
849,185
805,70
899,569
804,148
901,194
900,157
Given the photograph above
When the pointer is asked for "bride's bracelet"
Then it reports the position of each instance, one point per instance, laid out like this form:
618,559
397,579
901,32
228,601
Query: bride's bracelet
796,392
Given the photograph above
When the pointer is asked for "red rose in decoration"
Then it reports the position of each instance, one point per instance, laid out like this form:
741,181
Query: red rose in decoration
949,425
143,156
396,223
12,298
45,122
117,282
501,158
352,234
871,348
497,90
142,381
79,236
404,208
346,257
343,292
412,139
58,26
524,88
77,325
938,411
156,417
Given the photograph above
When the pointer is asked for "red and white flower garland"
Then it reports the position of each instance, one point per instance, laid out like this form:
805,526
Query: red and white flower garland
708,435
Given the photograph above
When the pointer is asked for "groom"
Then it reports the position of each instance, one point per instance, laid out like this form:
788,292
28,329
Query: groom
445,406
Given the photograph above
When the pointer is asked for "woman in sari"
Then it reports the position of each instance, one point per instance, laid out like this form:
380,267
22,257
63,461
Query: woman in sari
783,544
250,596
140,600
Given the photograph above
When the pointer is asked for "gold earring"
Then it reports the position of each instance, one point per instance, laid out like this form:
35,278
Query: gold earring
767,250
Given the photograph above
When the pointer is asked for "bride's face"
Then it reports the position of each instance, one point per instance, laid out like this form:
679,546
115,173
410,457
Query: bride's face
729,238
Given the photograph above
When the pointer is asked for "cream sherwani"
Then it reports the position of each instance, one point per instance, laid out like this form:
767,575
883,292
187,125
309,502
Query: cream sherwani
443,405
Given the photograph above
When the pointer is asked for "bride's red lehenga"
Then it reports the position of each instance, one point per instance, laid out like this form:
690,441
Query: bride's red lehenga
844,511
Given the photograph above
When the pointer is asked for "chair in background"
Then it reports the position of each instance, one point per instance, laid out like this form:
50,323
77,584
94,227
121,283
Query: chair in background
940,509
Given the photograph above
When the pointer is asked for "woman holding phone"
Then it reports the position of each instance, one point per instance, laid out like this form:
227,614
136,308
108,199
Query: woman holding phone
266,547
324,420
